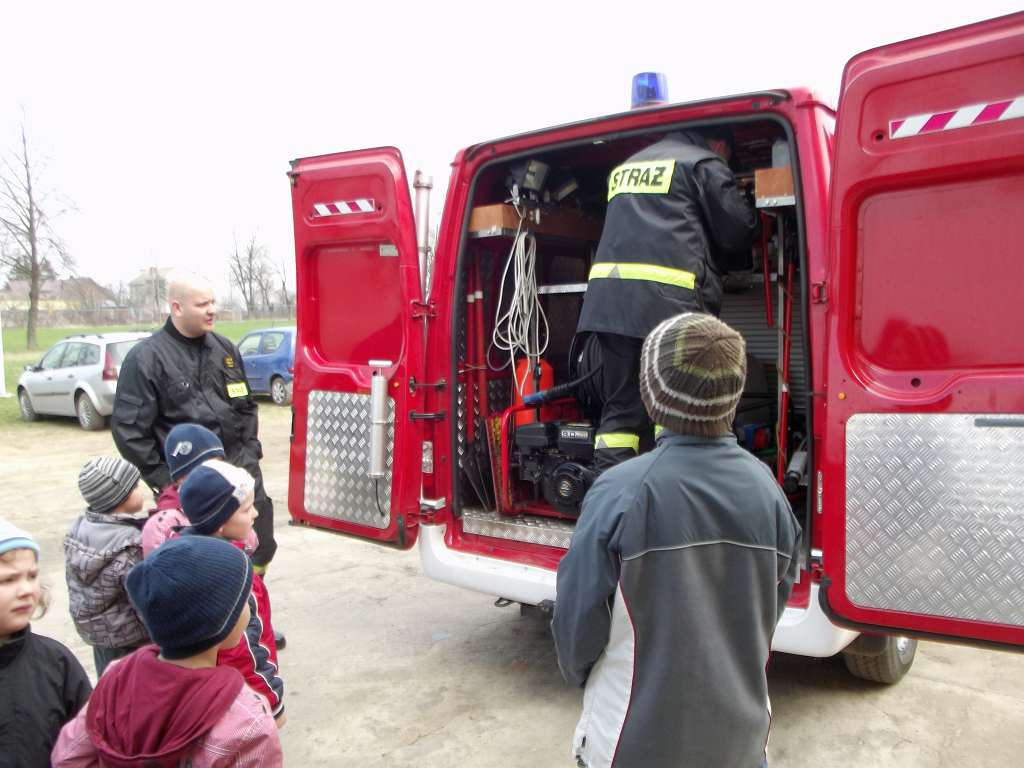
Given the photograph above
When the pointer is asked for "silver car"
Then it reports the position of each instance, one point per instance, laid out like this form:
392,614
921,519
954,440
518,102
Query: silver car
76,377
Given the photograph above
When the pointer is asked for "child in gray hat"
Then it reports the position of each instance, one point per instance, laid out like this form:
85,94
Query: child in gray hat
103,545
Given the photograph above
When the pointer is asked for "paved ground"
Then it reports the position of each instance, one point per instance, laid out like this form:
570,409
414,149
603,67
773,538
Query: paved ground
387,668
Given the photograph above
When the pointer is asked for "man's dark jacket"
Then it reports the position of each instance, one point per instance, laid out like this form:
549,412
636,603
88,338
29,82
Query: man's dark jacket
171,379
666,604
673,206
42,686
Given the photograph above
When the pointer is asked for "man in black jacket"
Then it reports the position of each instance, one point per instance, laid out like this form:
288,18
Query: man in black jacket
676,222
187,373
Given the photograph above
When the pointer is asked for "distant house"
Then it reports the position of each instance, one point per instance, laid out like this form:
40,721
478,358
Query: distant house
72,293
148,289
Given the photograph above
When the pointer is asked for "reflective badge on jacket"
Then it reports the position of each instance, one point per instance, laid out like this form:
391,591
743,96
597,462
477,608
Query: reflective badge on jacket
237,389
642,177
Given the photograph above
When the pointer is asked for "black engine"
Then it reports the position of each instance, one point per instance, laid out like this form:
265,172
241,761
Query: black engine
557,458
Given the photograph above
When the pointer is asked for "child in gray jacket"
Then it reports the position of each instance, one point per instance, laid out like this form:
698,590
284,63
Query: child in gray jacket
103,545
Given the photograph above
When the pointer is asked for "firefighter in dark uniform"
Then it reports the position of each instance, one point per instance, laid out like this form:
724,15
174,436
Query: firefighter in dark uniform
187,373
676,222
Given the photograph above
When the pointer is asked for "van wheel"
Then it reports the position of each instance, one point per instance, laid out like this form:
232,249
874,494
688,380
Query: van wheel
280,391
889,666
28,413
88,416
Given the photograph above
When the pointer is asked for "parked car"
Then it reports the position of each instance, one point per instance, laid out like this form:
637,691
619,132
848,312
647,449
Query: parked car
269,356
76,377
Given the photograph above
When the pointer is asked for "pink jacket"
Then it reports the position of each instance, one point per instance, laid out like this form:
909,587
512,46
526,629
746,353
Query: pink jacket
244,737
164,524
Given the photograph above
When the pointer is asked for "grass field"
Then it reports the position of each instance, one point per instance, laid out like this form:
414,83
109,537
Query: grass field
16,357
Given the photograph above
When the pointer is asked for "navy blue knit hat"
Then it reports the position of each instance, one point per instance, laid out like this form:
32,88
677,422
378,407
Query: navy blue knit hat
189,445
190,593
212,493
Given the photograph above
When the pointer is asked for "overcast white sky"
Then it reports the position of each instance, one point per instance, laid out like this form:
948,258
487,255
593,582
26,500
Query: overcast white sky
171,125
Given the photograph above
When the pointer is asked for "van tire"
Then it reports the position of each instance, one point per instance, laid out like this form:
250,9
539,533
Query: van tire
887,667
28,413
88,417
280,391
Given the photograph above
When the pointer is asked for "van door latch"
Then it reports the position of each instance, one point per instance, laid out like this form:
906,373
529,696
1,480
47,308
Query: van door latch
819,292
423,309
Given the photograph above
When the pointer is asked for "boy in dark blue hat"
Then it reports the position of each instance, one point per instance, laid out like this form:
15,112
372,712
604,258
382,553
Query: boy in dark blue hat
171,703
217,498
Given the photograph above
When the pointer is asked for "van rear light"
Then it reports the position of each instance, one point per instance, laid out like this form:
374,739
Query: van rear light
109,369
291,369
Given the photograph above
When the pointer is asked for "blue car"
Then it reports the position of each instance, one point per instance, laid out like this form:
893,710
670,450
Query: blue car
269,356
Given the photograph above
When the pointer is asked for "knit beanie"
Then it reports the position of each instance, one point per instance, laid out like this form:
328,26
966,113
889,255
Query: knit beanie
692,371
106,481
189,445
190,593
12,537
212,493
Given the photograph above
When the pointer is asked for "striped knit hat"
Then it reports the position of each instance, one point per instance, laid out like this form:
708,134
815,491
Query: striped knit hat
692,371
106,481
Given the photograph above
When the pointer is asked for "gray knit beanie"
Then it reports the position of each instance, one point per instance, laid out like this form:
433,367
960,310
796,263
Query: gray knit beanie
692,371
106,481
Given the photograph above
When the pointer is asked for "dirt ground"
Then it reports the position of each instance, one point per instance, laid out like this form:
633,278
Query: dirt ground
387,668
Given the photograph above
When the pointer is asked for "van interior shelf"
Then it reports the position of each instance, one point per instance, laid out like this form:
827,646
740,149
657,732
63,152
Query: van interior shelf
501,220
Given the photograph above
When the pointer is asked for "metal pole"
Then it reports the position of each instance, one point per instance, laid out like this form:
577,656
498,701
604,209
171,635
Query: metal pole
423,184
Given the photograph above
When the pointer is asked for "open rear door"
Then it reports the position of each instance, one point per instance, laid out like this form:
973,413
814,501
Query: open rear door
922,482
357,285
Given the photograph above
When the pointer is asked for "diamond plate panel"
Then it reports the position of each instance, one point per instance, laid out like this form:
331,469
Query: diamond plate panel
935,514
526,528
499,394
338,458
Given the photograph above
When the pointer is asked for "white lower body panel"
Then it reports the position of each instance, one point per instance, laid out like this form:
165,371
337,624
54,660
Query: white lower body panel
802,631
500,578
808,632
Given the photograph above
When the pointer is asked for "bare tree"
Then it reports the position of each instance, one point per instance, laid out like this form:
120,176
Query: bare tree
242,266
263,276
30,248
286,296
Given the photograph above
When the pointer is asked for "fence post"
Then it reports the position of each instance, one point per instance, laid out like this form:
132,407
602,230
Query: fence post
3,370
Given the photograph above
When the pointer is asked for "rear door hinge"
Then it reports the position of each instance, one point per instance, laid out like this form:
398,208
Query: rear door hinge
435,416
819,292
430,508
423,309
414,385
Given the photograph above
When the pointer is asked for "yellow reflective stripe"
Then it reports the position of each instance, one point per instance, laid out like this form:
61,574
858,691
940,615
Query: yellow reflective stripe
651,272
658,429
642,177
618,440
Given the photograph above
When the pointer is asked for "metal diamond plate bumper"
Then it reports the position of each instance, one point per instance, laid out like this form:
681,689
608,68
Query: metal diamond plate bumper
338,458
526,528
935,514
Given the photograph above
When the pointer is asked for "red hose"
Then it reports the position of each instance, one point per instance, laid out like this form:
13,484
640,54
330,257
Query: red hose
787,345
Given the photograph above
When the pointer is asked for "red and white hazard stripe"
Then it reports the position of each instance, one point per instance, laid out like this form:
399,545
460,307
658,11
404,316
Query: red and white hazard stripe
964,117
343,207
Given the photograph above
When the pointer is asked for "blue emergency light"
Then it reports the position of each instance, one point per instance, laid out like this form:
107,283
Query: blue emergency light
649,89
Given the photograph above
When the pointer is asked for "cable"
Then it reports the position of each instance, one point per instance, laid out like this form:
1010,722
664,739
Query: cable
376,496
519,329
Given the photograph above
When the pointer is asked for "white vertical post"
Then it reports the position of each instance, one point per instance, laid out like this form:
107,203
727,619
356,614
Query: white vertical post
423,184
3,374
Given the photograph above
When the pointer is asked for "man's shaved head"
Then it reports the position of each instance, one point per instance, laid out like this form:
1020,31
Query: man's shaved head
191,303
181,282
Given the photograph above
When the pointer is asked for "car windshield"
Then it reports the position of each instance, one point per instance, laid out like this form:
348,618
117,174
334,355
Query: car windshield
118,350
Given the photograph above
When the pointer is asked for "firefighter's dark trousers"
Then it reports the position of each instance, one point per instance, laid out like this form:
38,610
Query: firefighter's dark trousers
264,524
624,429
